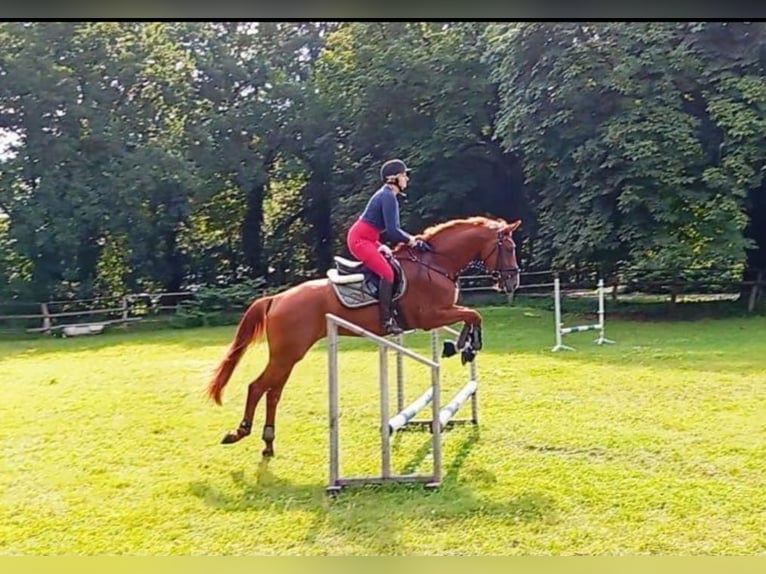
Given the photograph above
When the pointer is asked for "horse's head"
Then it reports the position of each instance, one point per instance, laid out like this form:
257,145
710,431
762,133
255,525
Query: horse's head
499,256
489,241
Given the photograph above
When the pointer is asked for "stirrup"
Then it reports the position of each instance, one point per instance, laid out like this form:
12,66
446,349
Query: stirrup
391,327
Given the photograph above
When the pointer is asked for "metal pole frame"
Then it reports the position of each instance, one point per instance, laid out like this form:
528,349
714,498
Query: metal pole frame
332,355
337,481
439,416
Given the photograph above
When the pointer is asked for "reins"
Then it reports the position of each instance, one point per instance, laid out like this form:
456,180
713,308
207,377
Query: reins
496,273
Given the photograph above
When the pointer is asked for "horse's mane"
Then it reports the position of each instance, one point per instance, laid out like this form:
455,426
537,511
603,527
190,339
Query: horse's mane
434,230
477,221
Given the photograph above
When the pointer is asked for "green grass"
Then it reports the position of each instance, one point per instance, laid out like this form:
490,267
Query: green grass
654,445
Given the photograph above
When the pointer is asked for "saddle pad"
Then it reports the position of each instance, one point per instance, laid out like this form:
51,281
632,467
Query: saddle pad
358,294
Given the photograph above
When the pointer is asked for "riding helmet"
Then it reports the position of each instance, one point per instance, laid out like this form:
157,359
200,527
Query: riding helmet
393,167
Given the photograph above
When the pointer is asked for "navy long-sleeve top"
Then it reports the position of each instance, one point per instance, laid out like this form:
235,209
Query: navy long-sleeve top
382,211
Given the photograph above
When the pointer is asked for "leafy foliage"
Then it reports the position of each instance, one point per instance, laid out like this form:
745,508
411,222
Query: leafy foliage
218,305
616,123
165,155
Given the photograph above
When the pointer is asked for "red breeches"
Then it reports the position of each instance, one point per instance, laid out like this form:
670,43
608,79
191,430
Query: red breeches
363,242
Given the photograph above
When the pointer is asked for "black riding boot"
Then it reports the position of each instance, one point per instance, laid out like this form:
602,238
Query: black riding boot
385,297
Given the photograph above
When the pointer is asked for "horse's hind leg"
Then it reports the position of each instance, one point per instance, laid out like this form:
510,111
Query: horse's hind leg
272,400
255,391
274,375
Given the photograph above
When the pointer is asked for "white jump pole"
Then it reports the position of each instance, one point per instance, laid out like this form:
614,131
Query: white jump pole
406,414
557,312
601,339
561,331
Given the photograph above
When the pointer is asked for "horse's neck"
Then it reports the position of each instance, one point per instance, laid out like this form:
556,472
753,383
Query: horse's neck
458,253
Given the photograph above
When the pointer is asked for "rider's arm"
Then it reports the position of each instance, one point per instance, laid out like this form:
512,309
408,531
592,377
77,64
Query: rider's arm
390,209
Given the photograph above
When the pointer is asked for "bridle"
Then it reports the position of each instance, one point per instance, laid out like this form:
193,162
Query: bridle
500,271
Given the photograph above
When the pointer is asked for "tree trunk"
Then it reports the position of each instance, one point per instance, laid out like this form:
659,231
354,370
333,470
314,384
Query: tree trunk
320,219
174,261
755,292
252,240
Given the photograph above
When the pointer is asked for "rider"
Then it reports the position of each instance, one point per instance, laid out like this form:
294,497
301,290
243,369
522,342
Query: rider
381,216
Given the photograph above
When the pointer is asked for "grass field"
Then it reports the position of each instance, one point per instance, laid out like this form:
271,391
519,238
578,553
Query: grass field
654,445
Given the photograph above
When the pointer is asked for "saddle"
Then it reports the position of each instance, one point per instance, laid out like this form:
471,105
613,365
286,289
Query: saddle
357,286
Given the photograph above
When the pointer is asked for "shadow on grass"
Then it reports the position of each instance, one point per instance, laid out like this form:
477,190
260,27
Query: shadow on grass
371,518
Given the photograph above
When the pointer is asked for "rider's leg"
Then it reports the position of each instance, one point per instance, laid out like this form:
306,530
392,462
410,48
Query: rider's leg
366,250
385,300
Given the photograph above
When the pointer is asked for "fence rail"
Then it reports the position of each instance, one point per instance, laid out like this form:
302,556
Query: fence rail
92,312
59,314
752,287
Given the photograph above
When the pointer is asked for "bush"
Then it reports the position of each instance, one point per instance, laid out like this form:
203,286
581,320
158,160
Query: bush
215,306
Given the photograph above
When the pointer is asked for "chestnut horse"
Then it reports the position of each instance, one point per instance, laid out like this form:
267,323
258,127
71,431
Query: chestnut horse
295,319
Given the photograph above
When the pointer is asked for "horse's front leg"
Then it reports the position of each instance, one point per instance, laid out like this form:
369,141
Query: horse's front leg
470,335
465,332
476,340
451,347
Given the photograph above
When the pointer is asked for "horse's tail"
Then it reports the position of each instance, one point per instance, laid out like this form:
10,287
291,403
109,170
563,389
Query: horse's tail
250,329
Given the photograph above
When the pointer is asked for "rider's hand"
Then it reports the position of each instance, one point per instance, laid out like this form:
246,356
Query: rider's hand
422,246
385,250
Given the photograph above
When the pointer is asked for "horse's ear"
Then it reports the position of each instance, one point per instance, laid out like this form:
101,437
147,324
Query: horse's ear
513,226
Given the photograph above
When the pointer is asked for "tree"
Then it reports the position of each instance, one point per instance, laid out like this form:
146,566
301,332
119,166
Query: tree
100,112
424,97
249,85
615,123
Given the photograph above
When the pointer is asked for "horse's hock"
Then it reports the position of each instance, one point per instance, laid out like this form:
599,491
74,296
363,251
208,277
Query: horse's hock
441,416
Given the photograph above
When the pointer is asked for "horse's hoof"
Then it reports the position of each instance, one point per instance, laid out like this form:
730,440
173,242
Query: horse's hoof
467,355
267,452
449,349
231,438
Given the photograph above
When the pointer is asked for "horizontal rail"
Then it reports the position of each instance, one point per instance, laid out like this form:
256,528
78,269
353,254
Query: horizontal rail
534,285
579,329
70,301
404,416
155,295
394,478
448,411
492,287
65,314
89,312
94,323
380,340
38,316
